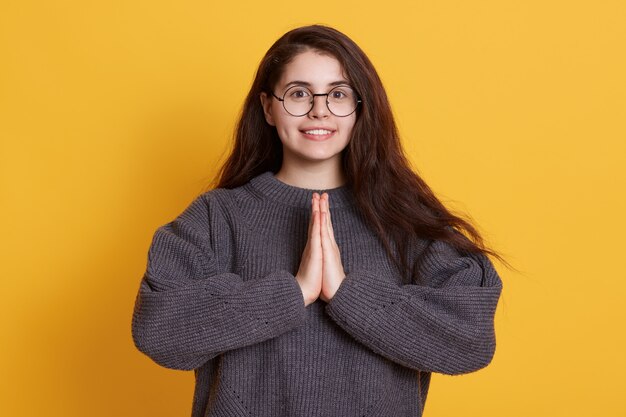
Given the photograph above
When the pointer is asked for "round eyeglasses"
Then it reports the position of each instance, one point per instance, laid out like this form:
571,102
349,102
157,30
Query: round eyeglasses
298,101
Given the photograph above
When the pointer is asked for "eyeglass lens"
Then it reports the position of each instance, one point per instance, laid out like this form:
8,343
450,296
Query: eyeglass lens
341,101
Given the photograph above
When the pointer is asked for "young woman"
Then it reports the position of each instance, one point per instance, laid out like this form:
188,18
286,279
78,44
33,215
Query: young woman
321,277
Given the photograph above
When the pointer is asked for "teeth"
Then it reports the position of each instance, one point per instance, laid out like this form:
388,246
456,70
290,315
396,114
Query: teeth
317,132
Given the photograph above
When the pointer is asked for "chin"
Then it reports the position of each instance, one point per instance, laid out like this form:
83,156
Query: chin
319,157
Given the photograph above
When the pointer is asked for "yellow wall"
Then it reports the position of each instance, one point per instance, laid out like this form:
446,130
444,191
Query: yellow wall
114,114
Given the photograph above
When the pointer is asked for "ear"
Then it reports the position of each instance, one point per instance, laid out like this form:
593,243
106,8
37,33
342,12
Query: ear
266,102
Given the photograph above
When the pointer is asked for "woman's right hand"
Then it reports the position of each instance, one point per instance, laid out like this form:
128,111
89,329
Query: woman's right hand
309,275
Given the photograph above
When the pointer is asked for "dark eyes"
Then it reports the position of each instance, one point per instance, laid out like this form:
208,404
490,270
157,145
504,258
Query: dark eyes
299,93
336,93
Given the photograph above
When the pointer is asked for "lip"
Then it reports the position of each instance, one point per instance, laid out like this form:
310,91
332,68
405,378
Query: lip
317,137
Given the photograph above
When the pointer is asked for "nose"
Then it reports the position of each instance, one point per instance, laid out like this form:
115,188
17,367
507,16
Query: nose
320,108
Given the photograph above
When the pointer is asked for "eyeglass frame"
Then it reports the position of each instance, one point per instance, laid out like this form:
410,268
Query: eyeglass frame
313,95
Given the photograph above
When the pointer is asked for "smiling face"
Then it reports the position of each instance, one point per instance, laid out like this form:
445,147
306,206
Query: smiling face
319,136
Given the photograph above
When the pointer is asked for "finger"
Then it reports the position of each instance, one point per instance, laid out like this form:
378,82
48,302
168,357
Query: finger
316,202
324,231
327,211
312,216
324,202
330,220
329,247
314,236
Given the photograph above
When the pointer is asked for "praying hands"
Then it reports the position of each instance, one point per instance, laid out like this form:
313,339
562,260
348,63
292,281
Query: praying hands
321,271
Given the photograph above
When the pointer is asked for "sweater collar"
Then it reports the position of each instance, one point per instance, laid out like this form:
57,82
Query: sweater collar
274,189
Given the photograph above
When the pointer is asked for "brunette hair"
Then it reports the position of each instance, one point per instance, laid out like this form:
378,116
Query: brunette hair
392,197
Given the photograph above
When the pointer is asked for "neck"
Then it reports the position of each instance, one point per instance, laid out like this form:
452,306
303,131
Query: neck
317,175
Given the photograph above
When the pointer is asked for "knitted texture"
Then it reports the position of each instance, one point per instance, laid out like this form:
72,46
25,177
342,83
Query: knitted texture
219,296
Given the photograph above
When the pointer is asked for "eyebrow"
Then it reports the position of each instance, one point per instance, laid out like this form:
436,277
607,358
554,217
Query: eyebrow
307,84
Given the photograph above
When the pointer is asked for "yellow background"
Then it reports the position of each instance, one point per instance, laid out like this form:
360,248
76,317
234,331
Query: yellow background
114,115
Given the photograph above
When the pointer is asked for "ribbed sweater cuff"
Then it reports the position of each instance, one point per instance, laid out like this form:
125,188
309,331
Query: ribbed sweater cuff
274,301
360,297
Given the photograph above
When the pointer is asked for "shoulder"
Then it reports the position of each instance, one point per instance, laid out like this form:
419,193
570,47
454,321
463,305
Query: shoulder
219,206
227,197
442,264
221,198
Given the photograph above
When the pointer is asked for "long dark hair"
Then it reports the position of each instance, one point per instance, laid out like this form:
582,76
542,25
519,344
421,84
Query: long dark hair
395,201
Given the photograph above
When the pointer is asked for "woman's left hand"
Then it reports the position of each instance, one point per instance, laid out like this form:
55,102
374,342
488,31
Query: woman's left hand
332,268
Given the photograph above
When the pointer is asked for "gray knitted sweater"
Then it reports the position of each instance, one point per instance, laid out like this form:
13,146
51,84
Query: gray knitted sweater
219,297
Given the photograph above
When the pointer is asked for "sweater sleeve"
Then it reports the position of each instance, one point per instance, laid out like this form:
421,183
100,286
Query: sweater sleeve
446,326
189,309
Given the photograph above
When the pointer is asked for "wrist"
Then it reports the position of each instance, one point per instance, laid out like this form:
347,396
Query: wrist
334,287
307,295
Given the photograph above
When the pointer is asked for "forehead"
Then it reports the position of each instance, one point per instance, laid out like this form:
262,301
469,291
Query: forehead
315,68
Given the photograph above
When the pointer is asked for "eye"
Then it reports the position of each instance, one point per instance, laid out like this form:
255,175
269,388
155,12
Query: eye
341,93
298,93
338,94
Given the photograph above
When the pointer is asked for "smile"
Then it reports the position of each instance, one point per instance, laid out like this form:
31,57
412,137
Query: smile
319,132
